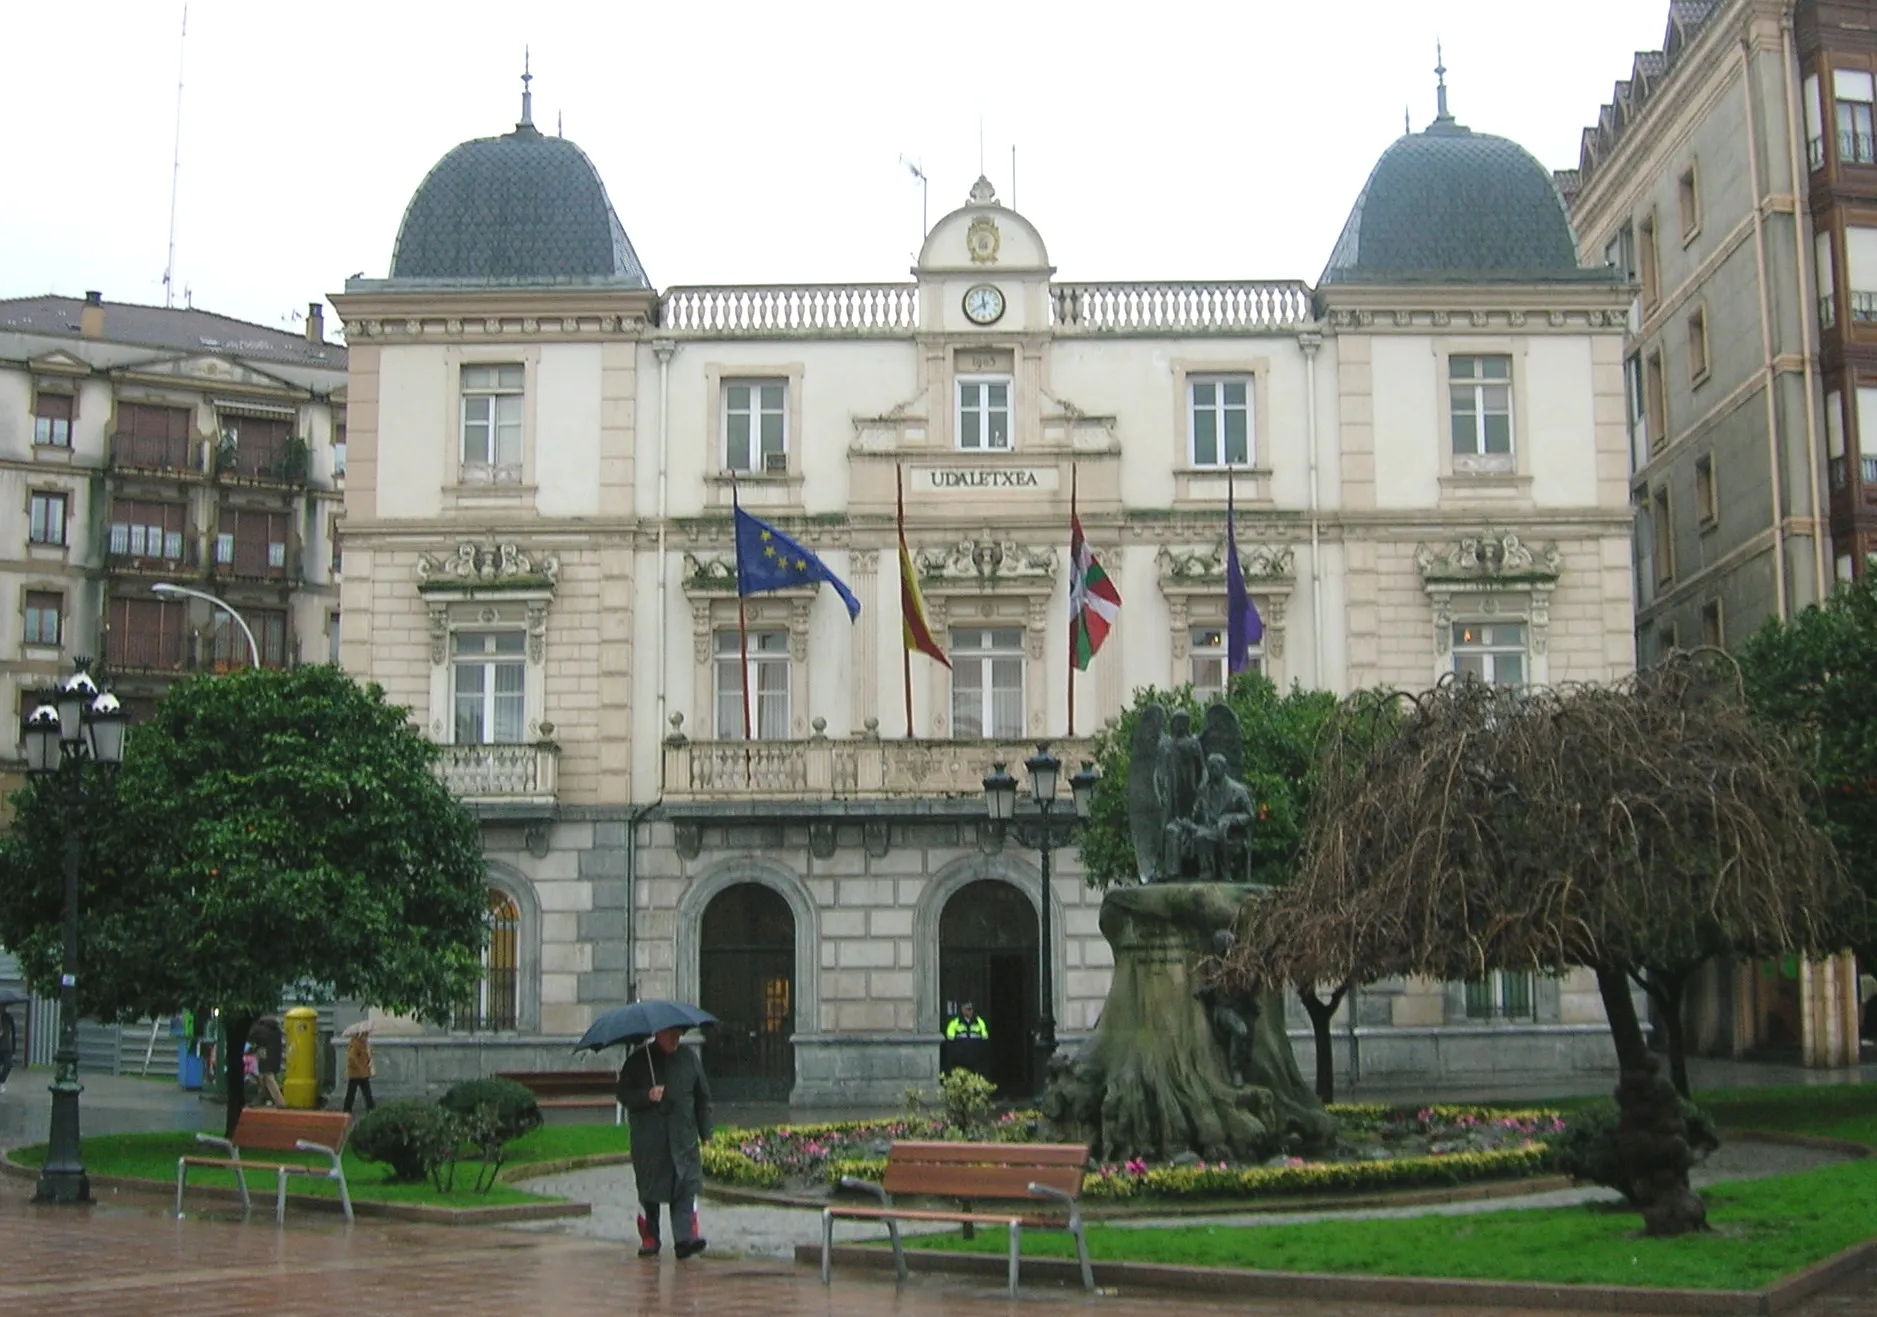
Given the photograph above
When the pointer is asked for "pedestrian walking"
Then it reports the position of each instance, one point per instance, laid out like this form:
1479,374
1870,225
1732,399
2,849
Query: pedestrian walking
265,1037
667,1101
358,1067
9,1041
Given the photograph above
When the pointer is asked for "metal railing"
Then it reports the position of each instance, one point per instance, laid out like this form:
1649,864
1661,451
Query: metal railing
820,768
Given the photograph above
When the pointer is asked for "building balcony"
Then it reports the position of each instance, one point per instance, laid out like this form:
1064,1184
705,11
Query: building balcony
159,455
867,768
503,781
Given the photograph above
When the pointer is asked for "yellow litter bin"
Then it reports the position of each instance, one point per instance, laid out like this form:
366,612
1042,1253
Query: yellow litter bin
299,1084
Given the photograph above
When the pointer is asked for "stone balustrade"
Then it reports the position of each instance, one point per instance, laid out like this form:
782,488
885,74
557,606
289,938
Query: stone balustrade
1179,308
766,311
501,774
820,768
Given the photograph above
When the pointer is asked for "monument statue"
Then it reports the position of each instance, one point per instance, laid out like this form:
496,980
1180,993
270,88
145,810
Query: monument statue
1195,824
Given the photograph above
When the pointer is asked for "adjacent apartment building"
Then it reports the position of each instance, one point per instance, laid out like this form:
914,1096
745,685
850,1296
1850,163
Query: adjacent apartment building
1732,179
1430,467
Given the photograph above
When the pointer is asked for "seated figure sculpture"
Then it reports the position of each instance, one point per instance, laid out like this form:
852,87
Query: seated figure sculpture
1213,842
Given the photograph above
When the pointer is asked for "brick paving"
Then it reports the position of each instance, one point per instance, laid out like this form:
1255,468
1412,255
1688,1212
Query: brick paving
130,1256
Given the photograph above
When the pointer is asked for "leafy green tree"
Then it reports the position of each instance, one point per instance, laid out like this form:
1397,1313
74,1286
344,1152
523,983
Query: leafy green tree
1812,676
267,831
1280,731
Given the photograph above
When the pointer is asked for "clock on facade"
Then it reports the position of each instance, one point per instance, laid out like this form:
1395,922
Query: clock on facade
984,304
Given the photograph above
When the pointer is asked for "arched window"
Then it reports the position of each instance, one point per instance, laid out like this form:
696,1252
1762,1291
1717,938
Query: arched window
496,1003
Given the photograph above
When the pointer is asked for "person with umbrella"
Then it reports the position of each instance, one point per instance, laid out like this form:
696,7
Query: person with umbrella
667,1102
358,1065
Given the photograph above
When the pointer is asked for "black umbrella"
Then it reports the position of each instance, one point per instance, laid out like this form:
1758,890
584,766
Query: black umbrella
14,997
640,1020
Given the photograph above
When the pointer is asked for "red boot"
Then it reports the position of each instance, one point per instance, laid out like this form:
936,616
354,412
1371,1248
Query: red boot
648,1238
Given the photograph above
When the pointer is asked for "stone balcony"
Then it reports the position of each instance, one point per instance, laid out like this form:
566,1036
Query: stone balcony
867,768
503,781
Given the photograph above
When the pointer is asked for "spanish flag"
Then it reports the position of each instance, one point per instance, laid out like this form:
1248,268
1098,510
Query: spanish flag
914,629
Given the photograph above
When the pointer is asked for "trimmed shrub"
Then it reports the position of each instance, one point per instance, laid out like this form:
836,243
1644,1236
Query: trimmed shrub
968,1098
511,1109
1587,1149
413,1138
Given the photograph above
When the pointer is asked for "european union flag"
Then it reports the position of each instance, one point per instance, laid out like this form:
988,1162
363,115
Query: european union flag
766,559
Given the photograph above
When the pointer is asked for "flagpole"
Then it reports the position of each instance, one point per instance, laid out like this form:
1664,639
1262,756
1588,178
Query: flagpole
742,613
905,650
1072,567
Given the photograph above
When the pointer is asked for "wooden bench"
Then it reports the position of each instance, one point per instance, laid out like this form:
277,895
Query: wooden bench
274,1129
570,1089
1039,1176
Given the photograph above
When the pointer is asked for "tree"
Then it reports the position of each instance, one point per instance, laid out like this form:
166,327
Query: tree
1811,676
267,831
1281,732
1601,826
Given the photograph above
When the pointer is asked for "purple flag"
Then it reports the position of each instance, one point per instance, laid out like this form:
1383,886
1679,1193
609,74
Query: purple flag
1243,627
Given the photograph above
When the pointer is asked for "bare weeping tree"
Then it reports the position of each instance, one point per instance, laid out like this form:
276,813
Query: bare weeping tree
1650,823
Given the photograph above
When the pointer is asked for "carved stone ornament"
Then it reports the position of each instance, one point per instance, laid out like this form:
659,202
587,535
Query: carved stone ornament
439,632
1206,565
476,564
982,239
986,562
1492,555
821,840
1516,319
537,631
877,839
1443,318
710,571
688,838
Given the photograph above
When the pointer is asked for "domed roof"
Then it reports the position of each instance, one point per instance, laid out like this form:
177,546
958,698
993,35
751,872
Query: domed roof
1449,205
523,208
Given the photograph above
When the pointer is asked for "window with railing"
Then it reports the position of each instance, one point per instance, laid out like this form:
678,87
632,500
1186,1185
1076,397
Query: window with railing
255,447
52,420
1814,123
151,436
252,543
145,634
1852,91
228,644
140,528
1501,995
495,1004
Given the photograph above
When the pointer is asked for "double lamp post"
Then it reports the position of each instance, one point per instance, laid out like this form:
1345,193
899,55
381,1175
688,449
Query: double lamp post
1042,832
76,731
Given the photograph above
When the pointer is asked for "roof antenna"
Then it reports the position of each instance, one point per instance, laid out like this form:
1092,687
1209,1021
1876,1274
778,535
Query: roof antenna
924,189
175,168
1440,91
1407,119
560,124
527,96
1013,175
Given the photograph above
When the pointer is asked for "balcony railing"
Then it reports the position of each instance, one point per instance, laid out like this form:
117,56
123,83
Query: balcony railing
1863,306
148,454
768,310
1178,308
133,652
501,774
823,769
1856,148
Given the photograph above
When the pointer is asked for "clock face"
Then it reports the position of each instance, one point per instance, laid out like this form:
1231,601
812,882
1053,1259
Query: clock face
984,304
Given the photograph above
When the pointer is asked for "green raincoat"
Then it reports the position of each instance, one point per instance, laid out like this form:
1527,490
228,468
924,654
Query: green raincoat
666,1134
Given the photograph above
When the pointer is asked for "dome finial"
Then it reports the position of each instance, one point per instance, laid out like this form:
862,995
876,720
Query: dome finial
1440,91
527,95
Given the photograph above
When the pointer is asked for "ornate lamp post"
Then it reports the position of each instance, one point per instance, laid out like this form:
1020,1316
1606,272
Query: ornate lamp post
75,728
1043,834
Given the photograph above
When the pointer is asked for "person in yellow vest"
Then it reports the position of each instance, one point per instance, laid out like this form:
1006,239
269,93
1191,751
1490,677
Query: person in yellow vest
966,1024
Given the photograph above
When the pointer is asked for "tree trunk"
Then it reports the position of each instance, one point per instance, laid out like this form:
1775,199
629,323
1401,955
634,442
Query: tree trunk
1320,1013
1156,1081
1651,1131
1669,992
234,1077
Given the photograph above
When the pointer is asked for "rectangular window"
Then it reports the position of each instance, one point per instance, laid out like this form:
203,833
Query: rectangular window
1492,652
1664,530
338,452
1698,346
1639,444
1826,273
52,420
146,530
1688,199
1851,89
45,613
492,398
1480,395
1620,253
1501,995
1834,439
145,634
151,436
488,671
1649,263
983,412
1814,124
768,685
1712,634
253,543
1206,660
987,682
1860,272
1219,411
337,539
47,517
1655,401
755,426
228,644
254,446
1707,493
332,637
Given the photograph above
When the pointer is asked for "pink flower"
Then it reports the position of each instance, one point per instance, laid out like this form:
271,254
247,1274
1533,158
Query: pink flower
1137,1166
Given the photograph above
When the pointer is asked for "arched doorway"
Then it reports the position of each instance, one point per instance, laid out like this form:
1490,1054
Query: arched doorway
987,956
746,978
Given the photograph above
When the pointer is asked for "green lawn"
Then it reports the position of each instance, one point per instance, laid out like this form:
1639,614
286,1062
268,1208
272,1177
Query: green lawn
153,1157
1833,1111
1763,1229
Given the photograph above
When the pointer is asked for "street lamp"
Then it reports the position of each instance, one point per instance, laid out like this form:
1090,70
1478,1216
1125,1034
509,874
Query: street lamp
1048,831
167,590
73,727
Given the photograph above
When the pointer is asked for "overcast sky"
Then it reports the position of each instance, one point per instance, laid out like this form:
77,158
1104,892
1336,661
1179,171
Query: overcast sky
755,142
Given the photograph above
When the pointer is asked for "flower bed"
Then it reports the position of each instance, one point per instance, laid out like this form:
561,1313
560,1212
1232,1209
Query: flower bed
1379,1148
